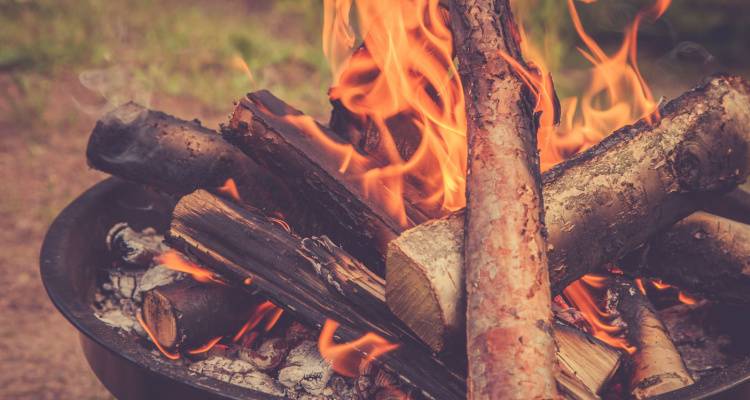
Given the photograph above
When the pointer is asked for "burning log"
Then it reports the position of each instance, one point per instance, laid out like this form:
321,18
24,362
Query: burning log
656,365
703,254
508,299
186,314
315,280
635,183
176,156
735,205
261,127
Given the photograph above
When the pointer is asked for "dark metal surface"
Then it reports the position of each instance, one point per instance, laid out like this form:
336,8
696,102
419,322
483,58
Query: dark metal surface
72,251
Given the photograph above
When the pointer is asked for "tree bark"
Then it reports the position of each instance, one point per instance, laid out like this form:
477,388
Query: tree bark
599,205
509,342
315,280
706,255
656,365
177,156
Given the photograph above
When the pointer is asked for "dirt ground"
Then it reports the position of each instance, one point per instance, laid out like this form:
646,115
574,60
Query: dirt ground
41,355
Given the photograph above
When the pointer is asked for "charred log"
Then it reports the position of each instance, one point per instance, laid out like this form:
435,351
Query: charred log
187,314
637,182
656,366
177,156
315,280
704,254
261,127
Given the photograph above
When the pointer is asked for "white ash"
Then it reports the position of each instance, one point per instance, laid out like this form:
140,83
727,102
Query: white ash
136,248
304,367
237,372
268,356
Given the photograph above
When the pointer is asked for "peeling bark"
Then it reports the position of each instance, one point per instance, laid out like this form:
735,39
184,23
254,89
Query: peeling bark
509,345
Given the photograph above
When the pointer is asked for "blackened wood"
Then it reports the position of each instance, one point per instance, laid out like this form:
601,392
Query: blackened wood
361,225
314,280
239,244
508,302
705,254
177,156
186,314
735,205
656,367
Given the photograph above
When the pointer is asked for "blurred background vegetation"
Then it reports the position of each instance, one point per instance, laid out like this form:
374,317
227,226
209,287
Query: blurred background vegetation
65,62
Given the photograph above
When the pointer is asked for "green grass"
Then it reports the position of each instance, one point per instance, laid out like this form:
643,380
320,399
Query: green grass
175,48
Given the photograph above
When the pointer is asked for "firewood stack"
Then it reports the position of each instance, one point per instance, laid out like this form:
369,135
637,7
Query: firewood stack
466,297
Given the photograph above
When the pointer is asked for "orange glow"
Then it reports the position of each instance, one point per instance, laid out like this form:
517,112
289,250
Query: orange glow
405,70
206,347
347,358
255,319
274,319
239,63
174,260
660,285
230,189
685,299
641,287
281,223
247,281
169,355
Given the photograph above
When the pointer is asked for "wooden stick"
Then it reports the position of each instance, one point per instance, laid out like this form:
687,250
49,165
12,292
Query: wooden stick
316,280
186,314
599,206
656,365
260,127
509,345
704,254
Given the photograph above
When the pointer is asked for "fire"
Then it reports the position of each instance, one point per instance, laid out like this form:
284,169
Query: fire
206,347
403,74
165,352
259,313
347,358
230,189
174,260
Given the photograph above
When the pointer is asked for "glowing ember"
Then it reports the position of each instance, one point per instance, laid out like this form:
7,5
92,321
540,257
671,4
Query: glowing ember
347,358
174,260
230,189
255,319
169,355
206,347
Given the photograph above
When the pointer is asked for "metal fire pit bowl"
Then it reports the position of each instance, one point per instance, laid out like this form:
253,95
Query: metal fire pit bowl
74,249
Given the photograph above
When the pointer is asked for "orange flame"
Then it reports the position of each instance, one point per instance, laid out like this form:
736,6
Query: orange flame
206,347
230,189
685,299
347,358
239,63
174,260
169,355
404,70
255,319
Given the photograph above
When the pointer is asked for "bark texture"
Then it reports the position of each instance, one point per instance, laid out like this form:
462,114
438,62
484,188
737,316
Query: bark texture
599,206
509,343
706,255
656,365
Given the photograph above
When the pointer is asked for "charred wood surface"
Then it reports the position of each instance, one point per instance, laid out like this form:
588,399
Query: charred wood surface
704,254
508,304
177,156
599,206
316,280
656,365
186,314
260,127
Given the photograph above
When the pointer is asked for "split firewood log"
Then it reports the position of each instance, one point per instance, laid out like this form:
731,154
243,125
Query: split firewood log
656,365
508,304
186,314
260,126
599,205
706,255
315,280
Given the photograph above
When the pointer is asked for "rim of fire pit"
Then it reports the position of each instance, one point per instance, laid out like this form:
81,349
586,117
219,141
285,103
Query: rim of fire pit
73,249
64,276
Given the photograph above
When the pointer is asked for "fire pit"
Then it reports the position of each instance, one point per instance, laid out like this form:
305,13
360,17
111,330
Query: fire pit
396,268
